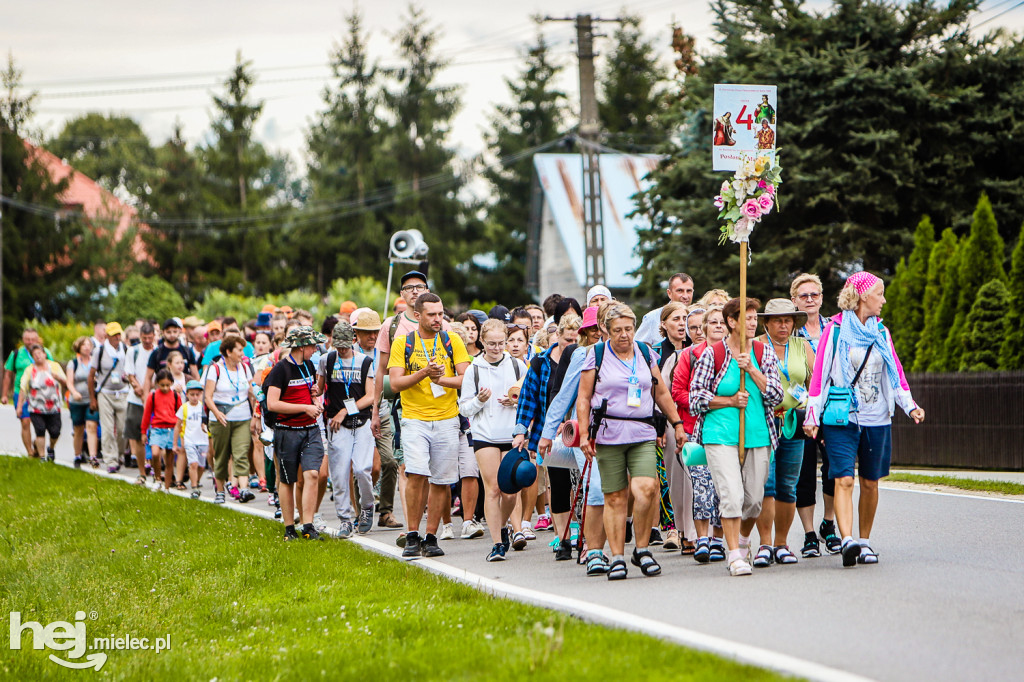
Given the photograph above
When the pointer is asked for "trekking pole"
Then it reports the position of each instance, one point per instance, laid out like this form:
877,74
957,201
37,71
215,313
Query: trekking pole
575,499
583,519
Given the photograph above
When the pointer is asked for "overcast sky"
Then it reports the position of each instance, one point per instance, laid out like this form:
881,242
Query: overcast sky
159,62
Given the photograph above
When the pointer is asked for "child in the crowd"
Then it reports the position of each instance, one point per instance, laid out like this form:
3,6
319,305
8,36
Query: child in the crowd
190,431
176,365
158,422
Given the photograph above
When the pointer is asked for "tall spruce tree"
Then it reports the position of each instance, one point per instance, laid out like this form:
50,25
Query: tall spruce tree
929,339
981,259
535,116
914,96
631,93
912,280
428,181
985,328
237,169
1012,355
348,170
931,347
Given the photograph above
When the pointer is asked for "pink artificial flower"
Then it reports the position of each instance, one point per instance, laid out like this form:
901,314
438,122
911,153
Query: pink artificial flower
766,203
762,185
719,202
769,188
725,187
751,209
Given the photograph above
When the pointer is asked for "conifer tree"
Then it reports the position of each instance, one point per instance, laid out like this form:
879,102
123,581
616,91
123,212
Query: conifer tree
631,95
985,329
1012,354
934,341
930,340
913,277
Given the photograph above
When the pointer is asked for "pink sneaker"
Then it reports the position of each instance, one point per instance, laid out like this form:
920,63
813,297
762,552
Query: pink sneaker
234,491
543,522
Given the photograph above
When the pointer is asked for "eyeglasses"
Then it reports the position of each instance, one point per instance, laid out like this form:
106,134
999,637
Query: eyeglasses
809,297
494,344
415,287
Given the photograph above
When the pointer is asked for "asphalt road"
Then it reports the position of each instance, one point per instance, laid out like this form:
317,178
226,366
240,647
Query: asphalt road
945,602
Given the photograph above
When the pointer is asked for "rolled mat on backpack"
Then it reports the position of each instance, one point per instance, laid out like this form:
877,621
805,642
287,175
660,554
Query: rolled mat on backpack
571,434
514,389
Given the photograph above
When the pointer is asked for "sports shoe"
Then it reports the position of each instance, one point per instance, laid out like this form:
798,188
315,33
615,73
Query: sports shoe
528,531
564,551
519,542
811,548
246,496
429,547
505,541
50,454
412,545
365,521
319,523
157,485
345,530
78,461
290,534
234,491
254,482
271,500
387,520
543,523
470,530
497,552
739,567
195,494
827,530
277,513
447,532
112,470
672,540
218,498
656,538
312,534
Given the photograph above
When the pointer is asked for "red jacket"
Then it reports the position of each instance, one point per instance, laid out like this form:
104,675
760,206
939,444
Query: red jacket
681,385
161,410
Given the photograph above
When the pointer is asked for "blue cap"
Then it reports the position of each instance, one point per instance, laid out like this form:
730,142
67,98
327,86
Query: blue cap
193,384
516,471
263,320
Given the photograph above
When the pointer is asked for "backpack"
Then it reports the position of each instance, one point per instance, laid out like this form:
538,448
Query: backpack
446,341
99,364
657,419
599,347
332,357
476,373
719,350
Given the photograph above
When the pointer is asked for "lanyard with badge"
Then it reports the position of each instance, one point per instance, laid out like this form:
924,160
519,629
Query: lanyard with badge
633,389
796,390
436,389
306,378
349,402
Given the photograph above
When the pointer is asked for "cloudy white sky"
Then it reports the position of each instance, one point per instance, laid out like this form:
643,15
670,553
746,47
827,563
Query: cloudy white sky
160,62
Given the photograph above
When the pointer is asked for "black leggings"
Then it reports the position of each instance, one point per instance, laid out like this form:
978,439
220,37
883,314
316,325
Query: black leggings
560,485
806,487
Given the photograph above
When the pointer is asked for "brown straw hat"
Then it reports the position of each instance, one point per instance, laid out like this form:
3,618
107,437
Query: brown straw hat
783,307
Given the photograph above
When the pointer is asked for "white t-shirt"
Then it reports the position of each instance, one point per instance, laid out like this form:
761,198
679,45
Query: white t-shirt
873,408
192,415
232,388
111,363
135,364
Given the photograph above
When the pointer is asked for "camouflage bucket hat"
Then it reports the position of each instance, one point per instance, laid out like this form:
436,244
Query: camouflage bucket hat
305,335
343,335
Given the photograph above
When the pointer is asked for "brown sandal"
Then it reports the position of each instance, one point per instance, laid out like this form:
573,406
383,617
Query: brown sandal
688,548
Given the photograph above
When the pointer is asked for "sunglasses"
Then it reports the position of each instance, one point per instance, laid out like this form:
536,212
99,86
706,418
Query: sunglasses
513,327
809,297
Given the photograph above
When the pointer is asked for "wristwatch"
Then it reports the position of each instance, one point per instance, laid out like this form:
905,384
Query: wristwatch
675,424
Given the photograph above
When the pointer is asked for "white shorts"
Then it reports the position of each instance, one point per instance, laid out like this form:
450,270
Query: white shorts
432,449
196,453
468,468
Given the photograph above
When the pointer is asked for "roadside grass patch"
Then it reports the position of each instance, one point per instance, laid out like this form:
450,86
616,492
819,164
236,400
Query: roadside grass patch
239,603
1002,487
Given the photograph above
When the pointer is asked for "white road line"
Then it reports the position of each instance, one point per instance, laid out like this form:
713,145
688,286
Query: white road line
935,492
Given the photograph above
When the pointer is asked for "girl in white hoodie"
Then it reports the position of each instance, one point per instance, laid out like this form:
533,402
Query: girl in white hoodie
485,402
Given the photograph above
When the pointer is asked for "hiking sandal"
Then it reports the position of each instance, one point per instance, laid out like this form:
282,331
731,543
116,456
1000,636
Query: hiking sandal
643,559
597,564
688,548
140,480
783,555
763,558
867,555
702,552
617,570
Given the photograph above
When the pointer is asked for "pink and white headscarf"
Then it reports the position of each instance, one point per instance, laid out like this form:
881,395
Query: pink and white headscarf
862,281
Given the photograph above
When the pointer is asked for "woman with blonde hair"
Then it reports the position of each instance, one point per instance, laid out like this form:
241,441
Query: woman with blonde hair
857,382
619,387
84,420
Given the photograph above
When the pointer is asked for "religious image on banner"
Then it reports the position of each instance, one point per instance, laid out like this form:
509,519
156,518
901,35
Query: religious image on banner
744,124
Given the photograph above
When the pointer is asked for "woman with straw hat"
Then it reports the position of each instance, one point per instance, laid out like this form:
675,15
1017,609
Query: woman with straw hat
796,360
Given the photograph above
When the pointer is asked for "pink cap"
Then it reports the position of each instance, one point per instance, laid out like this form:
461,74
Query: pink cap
589,317
862,281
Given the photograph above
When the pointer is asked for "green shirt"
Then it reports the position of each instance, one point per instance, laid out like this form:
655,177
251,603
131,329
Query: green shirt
722,425
18,361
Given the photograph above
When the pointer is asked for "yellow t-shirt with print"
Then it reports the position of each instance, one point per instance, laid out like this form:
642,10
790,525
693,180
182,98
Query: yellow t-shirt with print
418,401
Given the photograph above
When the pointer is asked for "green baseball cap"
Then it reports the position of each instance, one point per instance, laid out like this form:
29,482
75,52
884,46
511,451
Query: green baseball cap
299,337
343,335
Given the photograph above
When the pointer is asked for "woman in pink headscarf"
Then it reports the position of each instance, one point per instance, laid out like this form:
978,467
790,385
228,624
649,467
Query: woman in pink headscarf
857,382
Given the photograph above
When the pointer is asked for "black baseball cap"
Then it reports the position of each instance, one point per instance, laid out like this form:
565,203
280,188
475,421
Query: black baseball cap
413,274
172,322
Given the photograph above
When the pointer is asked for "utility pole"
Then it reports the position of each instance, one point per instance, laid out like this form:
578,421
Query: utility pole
589,132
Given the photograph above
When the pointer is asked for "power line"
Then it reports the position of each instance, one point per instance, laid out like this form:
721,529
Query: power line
1004,12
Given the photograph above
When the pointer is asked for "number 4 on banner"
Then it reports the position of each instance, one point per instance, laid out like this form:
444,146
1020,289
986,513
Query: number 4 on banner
745,119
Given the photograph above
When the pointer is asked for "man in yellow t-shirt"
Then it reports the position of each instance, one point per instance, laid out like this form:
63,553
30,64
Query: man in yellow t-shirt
429,384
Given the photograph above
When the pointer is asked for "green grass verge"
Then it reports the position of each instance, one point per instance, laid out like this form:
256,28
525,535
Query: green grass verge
239,603
1002,487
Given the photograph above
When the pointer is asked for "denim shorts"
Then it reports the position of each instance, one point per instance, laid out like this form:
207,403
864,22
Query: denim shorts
870,447
161,438
784,470
81,413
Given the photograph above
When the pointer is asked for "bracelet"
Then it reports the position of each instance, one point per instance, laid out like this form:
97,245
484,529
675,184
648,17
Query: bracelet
677,423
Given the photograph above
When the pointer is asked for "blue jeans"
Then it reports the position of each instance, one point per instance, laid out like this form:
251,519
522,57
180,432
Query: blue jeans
784,470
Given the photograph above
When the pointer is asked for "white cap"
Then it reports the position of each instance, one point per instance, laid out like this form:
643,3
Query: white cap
597,290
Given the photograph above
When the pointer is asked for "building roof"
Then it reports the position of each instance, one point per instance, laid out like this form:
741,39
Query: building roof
622,176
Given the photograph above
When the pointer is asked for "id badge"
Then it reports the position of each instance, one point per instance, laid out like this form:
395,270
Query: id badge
798,392
350,406
633,397
437,390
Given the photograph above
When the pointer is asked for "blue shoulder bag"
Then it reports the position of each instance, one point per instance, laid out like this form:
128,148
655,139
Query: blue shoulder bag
839,401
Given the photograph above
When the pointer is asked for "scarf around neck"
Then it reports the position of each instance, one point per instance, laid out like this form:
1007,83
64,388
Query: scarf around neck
854,334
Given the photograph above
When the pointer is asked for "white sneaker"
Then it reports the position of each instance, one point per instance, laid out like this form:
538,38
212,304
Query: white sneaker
319,523
480,527
471,530
528,531
739,567
157,485
447,532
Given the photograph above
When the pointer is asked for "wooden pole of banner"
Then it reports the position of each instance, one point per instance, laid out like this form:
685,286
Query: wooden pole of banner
742,328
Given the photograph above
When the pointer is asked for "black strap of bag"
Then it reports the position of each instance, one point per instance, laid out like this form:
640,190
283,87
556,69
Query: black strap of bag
862,366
